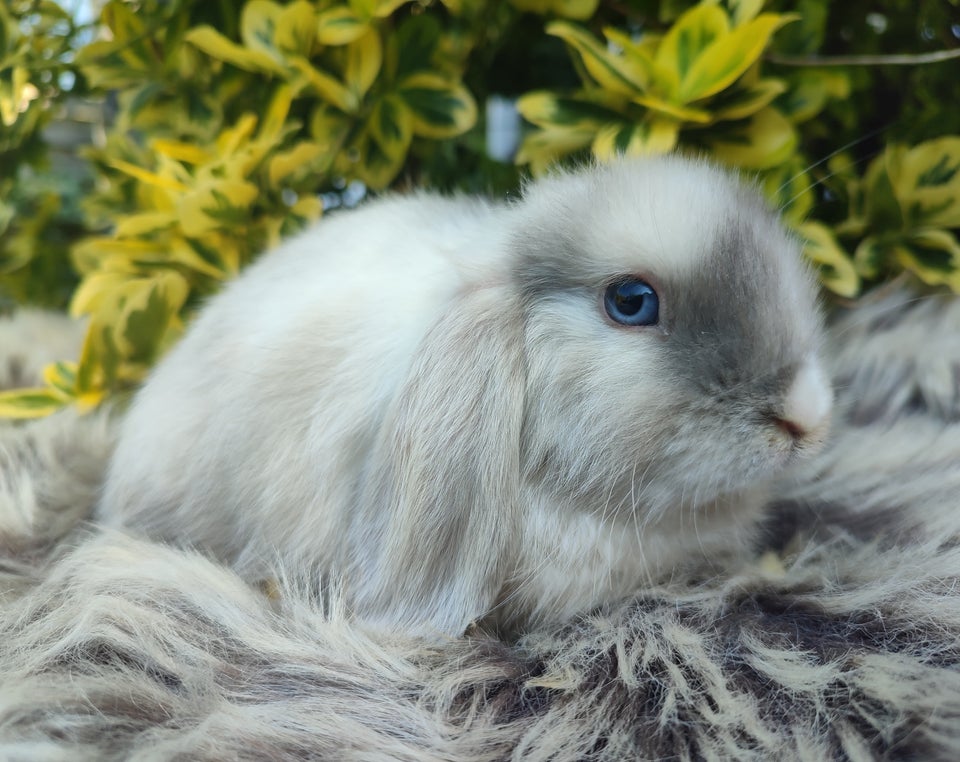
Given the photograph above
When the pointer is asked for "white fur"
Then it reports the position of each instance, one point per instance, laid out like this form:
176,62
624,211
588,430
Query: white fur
388,400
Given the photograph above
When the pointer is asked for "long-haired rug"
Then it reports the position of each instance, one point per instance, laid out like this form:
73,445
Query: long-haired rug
839,639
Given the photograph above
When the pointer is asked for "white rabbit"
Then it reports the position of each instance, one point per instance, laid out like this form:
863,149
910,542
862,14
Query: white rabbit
462,410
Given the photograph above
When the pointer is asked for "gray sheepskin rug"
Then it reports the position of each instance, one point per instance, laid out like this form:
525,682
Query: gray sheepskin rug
838,639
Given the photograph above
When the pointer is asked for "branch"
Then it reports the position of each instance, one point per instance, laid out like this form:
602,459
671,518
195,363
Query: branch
890,60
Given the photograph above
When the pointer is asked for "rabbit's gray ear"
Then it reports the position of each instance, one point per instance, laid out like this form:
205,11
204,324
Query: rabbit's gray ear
447,471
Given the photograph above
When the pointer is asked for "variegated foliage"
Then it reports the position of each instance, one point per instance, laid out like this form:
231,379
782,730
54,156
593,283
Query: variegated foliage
232,117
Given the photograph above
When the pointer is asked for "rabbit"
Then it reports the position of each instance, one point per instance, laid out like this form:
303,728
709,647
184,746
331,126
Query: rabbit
462,411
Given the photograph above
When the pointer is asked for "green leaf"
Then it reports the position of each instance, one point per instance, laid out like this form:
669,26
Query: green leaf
542,148
835,268
871,257
364,57
764,141
414,43
617,74
741,102
689,37
439,108
547,109
29,403
296,28
728,57
926,181
654,136
340,25
933,256
215,45
326,86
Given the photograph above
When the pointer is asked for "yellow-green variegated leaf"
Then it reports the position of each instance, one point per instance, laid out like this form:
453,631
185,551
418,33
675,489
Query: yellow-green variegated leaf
616,73
258,26
61,378
809,91
188,153
23,404
164,181
215,45
744,10
96,290
871,256
363,59
927,183
575,9
741,102
101,256
329,127
933,256
146,311
726,58
834,266
143,223
687,39
391,125
296,28
216,265
764,141
274,122
297,160
326,86
439,107
367,159
654,136
676,111
543,148
378,153
218,203
340,25
383,8
585,111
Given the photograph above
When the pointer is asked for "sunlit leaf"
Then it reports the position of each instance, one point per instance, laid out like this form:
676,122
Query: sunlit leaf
339,25
325,85
666,108
215,45
834,265
549,109
870,257
932,255
612,72
299,158
364,57
764,141
296,28
650,137
728,57
29,403
688,38
542,148
439,108
741,102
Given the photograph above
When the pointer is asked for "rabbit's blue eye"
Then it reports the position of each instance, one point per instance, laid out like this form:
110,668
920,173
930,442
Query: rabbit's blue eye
632,302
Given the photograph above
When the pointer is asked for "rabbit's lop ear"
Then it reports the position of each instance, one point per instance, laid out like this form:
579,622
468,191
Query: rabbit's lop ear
447,471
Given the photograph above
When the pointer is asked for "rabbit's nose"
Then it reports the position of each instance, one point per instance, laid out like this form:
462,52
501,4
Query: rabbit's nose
806,405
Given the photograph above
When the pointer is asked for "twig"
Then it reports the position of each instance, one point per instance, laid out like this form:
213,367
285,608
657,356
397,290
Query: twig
907,59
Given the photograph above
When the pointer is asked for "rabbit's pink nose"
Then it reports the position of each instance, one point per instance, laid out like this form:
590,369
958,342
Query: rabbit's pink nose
806,405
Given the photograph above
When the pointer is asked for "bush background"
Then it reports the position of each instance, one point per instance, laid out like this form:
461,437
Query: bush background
217,128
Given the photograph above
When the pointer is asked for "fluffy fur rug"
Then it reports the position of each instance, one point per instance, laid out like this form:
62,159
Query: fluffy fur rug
839,640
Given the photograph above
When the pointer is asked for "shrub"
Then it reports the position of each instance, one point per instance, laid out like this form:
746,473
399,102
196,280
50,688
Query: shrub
237,124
